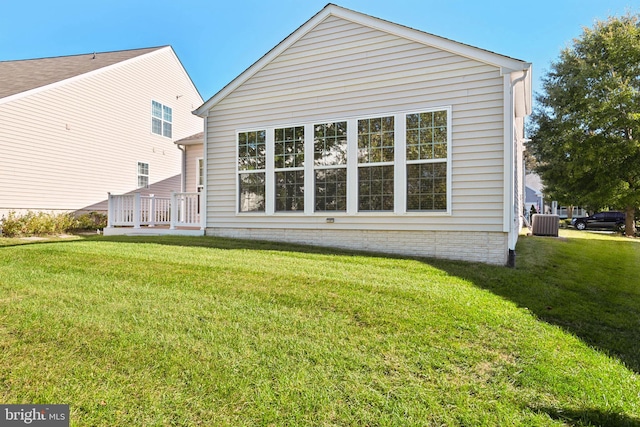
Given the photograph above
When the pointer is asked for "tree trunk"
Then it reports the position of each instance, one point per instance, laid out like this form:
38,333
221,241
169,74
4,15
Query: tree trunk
569,212
630,221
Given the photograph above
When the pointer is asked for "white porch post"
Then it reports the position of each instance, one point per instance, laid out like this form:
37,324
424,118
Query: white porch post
152,210
203,217
110,211
137,207
174,211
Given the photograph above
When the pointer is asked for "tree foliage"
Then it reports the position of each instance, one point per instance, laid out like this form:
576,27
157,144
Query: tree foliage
586,128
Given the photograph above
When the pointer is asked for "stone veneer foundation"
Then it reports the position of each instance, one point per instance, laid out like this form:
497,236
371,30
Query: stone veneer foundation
486,247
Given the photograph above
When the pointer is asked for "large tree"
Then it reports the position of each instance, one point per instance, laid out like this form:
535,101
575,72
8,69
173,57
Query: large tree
585,129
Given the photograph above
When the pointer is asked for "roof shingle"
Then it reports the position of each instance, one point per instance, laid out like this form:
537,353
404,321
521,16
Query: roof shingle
23,75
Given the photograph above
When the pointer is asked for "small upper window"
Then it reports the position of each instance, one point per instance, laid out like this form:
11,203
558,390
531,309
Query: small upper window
161,119
143,175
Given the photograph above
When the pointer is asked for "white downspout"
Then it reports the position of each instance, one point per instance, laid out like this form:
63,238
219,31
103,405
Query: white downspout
509,159
183,176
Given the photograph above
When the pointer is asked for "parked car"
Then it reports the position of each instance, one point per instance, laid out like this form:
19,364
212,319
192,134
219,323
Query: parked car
613,220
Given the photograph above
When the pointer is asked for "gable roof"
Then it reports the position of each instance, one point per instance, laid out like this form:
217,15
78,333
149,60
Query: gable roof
506,63
194,139
24,75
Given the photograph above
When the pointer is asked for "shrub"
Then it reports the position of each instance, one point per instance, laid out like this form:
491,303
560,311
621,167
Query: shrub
41,223
91,221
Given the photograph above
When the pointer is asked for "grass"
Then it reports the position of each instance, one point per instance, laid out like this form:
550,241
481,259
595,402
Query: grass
173,331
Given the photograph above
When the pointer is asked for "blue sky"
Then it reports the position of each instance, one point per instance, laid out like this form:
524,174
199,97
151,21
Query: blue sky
217,40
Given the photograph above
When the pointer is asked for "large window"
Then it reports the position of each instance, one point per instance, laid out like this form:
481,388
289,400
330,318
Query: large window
330,166
393,163
376,164
289,168
143,175
161,119
427,143
252,169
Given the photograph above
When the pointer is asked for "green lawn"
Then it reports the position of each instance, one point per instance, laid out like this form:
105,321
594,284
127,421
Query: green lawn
173,331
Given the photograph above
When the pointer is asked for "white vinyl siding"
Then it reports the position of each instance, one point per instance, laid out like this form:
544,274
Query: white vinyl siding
344,70
59,152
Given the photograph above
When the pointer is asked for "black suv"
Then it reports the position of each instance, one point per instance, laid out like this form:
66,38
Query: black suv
614,220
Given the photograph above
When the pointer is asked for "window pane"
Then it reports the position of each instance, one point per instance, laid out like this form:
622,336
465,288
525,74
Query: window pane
289,147
167,113
166,129
143,175
427,135
376,140
252,190
156,109
331,189
143,168
290,190
156,126
200,173
251,150
375,188
161,119
143,182
427,187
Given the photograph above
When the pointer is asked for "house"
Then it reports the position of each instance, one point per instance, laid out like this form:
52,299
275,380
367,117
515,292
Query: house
73,128
355,132
534,197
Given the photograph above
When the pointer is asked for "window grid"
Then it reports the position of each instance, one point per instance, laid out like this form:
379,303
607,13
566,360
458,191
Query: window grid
375,188
426,148
331,189
376,140
143,175
289,168
161,119
427,186
289,147
427,135
252,149
330,164
252,192
330,144
290,190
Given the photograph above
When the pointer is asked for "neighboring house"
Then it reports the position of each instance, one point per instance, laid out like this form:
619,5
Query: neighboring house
533,195
355,132
73,128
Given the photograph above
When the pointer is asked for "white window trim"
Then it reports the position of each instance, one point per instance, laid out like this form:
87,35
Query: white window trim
265,171
399,163
446,212
138,174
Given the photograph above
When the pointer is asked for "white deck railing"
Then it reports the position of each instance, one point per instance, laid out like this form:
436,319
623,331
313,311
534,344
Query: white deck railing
136,210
